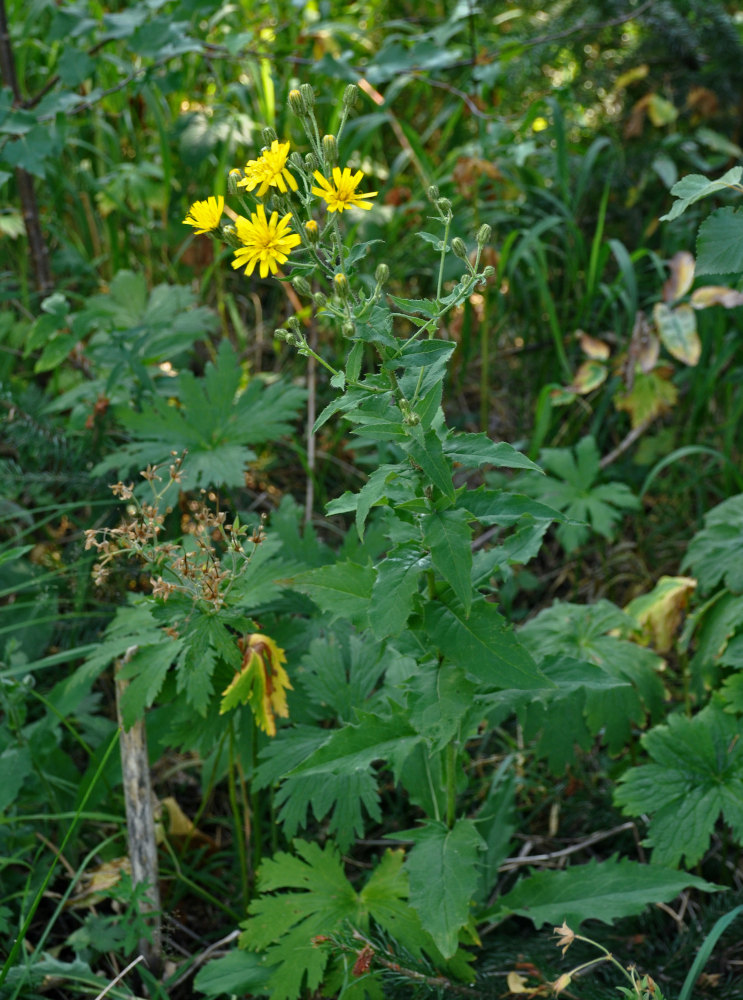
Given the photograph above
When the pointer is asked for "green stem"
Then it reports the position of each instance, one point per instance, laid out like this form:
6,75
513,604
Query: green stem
239,831
451,783
442,261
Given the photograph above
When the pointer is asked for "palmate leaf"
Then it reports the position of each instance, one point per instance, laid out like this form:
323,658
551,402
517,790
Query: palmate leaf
714,552
214,422
314,898
696,777
600,890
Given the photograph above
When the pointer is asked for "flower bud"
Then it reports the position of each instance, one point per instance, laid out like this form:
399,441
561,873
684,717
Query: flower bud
233,177
483,234
312,231
348,329
311,162
229,235
297,103
349,96
279,334
302,285
330,150
308,94
459,248
340,283
433,193
444,205
269,135
381,274
294,325
320,300
488,272
296,161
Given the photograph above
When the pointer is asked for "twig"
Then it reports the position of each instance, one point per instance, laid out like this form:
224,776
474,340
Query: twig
136,961
626,442
202,958
510,864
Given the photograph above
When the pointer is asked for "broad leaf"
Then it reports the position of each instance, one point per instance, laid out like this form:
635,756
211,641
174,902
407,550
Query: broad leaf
442,869
395,587
448,535
341,589
714,554
696,777
426,451
695,186
600,890
678,332
475,450
720,243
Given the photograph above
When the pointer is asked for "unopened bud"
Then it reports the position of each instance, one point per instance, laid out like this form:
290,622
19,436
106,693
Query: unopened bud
294,325
349,96
279,334
483,234
340,283
320,300
459,248
330,150
229,235
381,274
308,94
562,983
302,285
348,329
296,161
297,103
433,193
269,135
311,162
233,177
312,231
488,272
444,205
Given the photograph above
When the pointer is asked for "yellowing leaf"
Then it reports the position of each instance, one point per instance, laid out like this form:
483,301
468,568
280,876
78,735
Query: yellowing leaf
95,882
589,376
659,613
716,295
561,397
651,395
517,983
681,278
660,111
631,76
597,350
262,682
678,332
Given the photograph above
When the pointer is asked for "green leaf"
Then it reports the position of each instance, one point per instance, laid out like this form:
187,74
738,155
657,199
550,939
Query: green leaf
442,869
448,534
482,644
720,242
714,552
342,589
501,508
426,451
600,890
426,307
148,668
394,588
695,186
696,777
475,450
236,972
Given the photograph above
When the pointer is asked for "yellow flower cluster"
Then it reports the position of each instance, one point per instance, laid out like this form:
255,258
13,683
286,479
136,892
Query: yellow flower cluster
266,243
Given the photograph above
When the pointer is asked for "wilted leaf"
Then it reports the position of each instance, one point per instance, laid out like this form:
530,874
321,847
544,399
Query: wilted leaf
659,613
589,376
678,331
716,295
682,275
597,350
651,395
660,111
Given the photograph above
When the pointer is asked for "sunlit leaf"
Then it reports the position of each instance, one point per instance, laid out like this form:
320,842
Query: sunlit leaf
695,186
660,612
651,395
660,111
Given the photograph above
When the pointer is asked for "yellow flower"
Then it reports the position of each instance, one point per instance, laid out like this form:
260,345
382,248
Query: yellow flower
261,683
204,216
341,193
269,170
265,242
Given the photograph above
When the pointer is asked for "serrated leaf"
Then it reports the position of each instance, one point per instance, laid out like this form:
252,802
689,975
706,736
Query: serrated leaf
678,332
714,552
695,186
426,307
720,242
426,451
341,589
482,644
696,777
498,507
394,588
475,450
148,669
600,890
448,535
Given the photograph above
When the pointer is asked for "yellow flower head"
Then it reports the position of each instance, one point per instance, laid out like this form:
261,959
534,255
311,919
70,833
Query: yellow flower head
341,193
266,242
204,216
261,683
269,170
